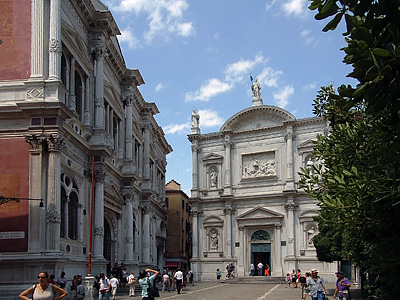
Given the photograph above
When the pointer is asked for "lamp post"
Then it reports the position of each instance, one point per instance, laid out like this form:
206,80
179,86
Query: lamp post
4,200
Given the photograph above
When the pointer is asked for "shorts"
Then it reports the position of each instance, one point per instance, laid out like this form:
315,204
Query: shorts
294,279
218,276
113,290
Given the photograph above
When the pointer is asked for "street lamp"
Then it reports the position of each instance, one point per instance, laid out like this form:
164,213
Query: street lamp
4,200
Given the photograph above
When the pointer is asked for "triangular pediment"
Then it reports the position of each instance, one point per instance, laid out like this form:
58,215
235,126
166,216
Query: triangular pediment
259,213
113,192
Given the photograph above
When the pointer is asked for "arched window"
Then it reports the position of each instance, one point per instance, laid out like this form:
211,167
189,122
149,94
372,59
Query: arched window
73,216
260,235
69,208
79,93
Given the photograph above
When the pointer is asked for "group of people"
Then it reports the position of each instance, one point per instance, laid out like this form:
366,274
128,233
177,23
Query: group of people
314,285
261,269
176,279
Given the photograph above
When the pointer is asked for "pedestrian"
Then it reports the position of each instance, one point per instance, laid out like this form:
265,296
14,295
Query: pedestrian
294,278
132,282
124,276
44,290
145,281
218,275
343,285
179,278
251,269
80,291
306,288
114,282
104,287
61,280
317,286
166,283
288,280
230,268
260,268
191,277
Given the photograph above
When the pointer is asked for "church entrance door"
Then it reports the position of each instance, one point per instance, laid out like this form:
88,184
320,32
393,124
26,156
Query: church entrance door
261,252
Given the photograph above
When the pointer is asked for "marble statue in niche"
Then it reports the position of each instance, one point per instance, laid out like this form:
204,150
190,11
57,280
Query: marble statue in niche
213,240
213,177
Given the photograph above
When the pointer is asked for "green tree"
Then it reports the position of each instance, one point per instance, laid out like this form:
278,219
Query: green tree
357,180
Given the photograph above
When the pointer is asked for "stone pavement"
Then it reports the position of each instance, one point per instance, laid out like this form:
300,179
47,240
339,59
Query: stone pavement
208,290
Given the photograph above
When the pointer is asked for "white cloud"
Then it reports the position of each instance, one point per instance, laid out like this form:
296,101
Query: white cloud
295,7
269,77
212,88
129,38
269,4
209,118
306,35
310,87
176,128
283,95
159,87
235,71
163,17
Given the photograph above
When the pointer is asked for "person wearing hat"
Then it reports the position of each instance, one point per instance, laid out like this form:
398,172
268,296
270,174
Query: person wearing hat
342,287
317,286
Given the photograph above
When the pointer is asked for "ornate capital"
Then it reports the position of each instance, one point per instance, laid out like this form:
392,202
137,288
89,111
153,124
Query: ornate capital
290,206
35,143
98,230
53,217
129,197
55,46
290,135
54,142
228,210
146,209
100,174
241,228
99,102
278,225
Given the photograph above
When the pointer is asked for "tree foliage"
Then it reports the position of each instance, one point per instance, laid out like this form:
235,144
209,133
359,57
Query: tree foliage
357,181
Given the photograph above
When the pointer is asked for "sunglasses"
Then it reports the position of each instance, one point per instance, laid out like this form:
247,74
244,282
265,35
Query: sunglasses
41,277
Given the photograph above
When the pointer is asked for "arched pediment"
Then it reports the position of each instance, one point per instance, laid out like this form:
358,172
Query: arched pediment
258,117
213,221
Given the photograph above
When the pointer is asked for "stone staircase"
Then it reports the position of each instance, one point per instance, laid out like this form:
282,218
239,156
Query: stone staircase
255,280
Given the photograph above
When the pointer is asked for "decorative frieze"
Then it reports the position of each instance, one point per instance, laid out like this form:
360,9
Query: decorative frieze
55,46
53,216
98,230
259,164
35,92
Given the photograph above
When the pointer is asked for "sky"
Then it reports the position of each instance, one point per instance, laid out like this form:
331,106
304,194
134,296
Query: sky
199,54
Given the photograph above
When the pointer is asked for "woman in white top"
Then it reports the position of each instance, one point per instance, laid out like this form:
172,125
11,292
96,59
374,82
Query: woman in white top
44,290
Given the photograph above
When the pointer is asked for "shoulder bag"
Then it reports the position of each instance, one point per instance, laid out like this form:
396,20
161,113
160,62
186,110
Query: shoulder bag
152,290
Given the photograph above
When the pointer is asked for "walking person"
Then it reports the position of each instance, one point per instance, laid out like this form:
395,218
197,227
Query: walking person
343,285
260,268
251,269
166,283
104,287
179,278
288,280
306,288
44,290
80,291
61,281
317,286
146,281
114,283
132,282
294,278
218,275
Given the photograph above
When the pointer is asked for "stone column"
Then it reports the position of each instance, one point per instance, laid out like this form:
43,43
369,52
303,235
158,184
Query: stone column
55,47
99,174
37,226
100,52
278,270
242,262
195,151
53,193
128,245
227,166
228,211
37,41
86,111
65,217
120,244
289,158
290,207
72,96
79,221
146,153
195,234
146,234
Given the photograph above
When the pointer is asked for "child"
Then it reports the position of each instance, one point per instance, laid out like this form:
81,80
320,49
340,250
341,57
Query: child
288,280
218,276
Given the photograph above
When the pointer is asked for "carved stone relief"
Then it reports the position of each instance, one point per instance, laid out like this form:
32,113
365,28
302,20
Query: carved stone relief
257,165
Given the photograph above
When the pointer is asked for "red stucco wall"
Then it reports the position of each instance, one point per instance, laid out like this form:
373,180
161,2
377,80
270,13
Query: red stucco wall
15,36
14,182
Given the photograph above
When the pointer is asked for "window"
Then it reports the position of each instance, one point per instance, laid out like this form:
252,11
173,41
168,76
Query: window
69,208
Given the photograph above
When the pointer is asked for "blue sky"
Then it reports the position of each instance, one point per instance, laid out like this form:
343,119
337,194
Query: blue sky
199,54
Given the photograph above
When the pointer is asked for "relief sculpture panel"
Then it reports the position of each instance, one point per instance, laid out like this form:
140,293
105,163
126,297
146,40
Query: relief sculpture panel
259,165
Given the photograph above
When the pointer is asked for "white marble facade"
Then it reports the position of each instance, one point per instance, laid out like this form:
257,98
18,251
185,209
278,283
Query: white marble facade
82,102
245,201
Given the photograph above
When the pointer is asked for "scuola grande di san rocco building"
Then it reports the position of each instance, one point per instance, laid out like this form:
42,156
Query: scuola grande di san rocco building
67,97
245,202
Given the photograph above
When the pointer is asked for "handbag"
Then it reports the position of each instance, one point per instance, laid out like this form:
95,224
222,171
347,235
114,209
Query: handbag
152,290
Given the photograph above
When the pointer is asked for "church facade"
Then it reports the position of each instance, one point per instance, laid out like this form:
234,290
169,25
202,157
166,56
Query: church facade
75,127
245,202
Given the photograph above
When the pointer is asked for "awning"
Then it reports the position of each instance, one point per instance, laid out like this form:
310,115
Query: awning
171,264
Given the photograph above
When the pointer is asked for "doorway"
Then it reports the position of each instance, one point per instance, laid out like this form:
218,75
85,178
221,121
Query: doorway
261,252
